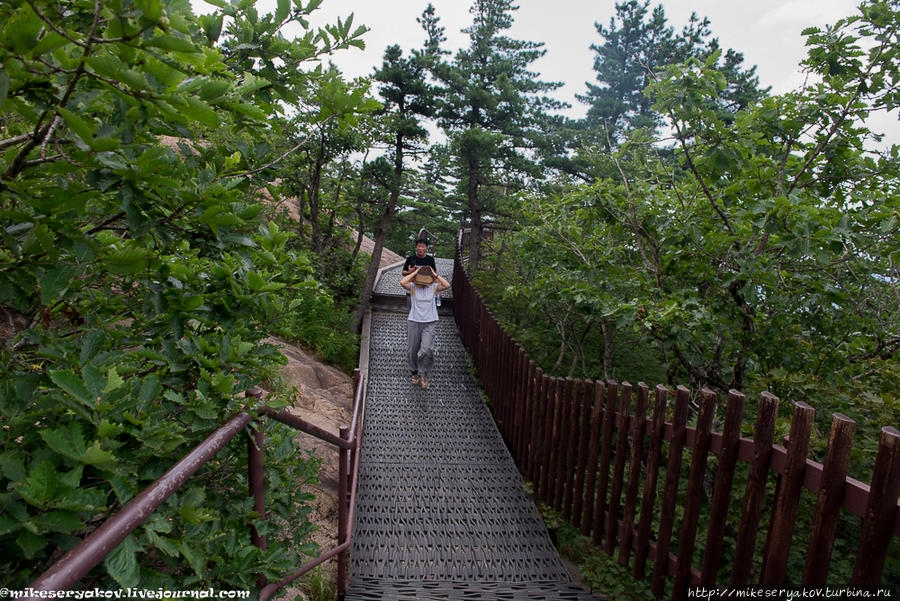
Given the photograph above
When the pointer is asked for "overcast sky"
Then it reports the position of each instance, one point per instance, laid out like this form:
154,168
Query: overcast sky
767,32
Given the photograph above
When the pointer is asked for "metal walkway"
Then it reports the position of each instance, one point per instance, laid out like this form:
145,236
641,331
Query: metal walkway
441,509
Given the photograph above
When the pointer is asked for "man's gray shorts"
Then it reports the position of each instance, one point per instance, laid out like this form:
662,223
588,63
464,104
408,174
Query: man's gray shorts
420,349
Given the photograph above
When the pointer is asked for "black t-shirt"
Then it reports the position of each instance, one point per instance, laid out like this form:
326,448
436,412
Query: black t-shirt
415,260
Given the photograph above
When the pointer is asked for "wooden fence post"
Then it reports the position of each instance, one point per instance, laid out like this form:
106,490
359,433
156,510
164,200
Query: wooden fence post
590,484
670,492
686,539
831,496
573,437
722,492
764,433
650,479
634,472
537,437
562,443
609,416
787,498
586,388
615,493
881,511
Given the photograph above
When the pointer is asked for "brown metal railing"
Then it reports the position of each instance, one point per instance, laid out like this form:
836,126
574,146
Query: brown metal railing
583,448
75,564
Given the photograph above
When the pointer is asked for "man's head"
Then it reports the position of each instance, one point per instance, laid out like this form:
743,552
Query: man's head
421,247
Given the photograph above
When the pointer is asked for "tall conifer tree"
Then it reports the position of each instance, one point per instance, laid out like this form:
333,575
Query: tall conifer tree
407,98
492,107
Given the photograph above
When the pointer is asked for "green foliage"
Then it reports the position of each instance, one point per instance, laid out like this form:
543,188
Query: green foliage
138,279
319,586
767,261
759,252
599,572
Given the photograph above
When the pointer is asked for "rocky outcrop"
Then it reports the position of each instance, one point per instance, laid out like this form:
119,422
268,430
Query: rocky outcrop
324,397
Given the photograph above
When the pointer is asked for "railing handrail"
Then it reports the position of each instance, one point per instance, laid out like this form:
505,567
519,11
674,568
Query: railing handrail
75,564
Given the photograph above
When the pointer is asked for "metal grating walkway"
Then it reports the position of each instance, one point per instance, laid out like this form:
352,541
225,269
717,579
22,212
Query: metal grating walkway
441,510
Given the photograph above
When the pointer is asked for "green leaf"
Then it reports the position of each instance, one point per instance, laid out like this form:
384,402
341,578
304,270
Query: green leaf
223,383
255,281
105,144
125,489
170,42
94,380
195,558
163,543
4,86
67,440
51,41
107,428
283,10
150,388
83,499
192,302
212,24
30,543
12,467
81,127
132,259
113,380
40,486
8,525
94,455
71,383
59,521
122,563
91,345
70,480
22,30
13,506
200,111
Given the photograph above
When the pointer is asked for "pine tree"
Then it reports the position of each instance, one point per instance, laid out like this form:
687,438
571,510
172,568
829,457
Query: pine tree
407,97
638,43
492,108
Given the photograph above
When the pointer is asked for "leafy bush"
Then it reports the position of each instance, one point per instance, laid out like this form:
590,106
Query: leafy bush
138,279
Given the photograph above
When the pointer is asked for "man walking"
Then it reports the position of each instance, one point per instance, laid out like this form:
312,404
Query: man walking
420,258
423,284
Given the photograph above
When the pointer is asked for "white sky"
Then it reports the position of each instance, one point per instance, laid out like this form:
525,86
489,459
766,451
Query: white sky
767,32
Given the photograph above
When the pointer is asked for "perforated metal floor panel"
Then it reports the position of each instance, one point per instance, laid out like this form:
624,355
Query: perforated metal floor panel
441,510
380,590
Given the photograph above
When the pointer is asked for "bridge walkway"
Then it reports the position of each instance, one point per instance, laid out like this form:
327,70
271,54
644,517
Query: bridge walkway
442,512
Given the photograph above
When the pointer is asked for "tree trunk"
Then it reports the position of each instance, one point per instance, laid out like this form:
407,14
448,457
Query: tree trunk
475,210
359,234
316,230
380,234
608,347
372,271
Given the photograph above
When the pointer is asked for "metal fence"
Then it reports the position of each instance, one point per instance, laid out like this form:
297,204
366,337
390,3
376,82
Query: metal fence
75,564
594,454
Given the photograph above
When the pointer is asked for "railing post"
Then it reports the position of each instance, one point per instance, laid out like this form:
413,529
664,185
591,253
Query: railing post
343,512
256,479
